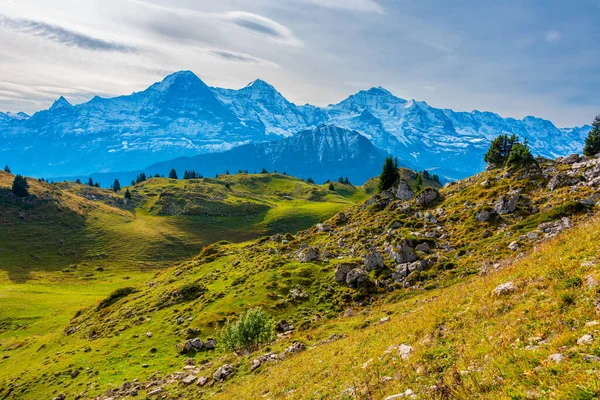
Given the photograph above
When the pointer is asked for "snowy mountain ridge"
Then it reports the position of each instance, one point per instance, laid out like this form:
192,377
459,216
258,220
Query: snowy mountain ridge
182,116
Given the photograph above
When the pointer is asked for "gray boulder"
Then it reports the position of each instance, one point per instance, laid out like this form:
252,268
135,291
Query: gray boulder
403,191
223,372
507,204
341,271
484,215
357,276
561,180
427,196
373,261
403,252
308,254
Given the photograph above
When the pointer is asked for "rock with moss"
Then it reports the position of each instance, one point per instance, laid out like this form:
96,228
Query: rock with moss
373,261
507,204
427,197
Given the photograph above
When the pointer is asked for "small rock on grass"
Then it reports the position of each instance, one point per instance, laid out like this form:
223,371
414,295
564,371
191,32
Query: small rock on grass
504,289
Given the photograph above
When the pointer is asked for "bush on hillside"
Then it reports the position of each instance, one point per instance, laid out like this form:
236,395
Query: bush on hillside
509,151
520,155
116,296
253,329
20,187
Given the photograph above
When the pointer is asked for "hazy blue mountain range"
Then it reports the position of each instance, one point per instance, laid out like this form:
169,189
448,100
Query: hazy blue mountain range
325,152
183,117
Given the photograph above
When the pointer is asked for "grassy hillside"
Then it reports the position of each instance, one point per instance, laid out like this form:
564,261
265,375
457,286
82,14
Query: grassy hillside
422,316
69,245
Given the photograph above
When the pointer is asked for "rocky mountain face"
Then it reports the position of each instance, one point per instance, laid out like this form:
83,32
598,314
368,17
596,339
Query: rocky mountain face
325,152
181,116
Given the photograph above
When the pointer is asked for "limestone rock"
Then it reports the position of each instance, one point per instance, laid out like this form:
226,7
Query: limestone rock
504,289
223,372
427,196
373,261
507,204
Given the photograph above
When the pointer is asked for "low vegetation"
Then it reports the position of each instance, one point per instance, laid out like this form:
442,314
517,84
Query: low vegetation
486,288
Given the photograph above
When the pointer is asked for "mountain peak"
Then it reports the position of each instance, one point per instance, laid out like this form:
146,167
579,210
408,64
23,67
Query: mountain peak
379,90
61,103
179,78
259,83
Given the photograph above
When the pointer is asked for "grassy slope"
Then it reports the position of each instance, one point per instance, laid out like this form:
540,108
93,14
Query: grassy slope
52,244
238,276
468,343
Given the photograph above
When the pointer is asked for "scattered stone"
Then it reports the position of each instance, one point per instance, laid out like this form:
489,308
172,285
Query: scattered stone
145,365
507,204
284,326
210,344
149,334
557,357
223,372
298,294
341,271
61,396
155,392
357,276
551,229
504,289
590,358
373,261
405,351
323,227
308,254
484,215
257,362
423,247
202,381
189,379
427,196
297,347
487,234
514,246
403,191
585,340
533,235
561,180
403,252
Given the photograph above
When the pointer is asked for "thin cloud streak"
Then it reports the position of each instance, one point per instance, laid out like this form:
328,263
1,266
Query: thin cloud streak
61,35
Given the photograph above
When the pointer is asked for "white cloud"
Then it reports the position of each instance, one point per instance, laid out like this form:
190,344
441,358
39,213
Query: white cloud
354,5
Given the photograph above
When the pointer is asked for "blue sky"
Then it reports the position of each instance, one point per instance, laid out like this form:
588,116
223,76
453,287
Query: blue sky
516,58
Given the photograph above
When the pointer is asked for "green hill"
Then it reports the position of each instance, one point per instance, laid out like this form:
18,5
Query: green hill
389,295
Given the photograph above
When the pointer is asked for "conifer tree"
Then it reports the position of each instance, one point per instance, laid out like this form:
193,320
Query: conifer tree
389,174
331,187
6,169
116,186
592,142
173,174
127,194
310,180
500,149
419,182
20,187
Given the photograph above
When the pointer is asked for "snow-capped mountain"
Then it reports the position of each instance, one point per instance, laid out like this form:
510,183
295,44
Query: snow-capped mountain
182,116
177,116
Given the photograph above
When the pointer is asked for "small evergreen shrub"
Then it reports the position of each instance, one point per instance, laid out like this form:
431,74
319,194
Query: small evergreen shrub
253,329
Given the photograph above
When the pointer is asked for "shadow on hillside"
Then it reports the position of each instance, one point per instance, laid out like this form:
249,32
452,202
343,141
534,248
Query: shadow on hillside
37,234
